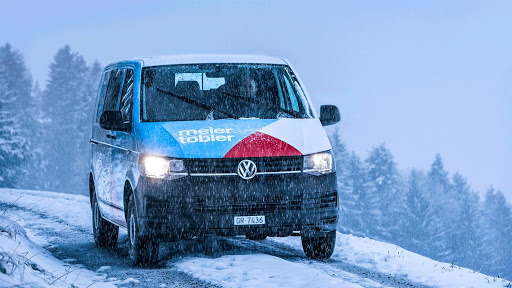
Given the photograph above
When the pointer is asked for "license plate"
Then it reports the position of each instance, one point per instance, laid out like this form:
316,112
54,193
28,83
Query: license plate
249,220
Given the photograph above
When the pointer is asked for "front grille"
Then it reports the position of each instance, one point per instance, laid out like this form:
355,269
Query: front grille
230,165
255,205
202,205
264,204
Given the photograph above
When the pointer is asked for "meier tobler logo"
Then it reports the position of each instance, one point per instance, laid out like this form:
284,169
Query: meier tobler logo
205,135
246,169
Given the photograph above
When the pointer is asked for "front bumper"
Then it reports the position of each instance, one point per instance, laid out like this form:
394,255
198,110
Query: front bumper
199,205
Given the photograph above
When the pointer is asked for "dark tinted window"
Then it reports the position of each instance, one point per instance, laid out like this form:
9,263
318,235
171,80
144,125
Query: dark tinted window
221,91
113,90
127,96
101,94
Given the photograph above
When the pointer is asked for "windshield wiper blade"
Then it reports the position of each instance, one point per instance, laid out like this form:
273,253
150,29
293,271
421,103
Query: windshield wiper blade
252,100
194,102
295,114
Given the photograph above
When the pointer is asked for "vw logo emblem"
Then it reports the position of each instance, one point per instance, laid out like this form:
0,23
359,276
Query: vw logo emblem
246,169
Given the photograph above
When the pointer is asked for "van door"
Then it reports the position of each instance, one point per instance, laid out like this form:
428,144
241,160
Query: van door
105,181
123,157
98,138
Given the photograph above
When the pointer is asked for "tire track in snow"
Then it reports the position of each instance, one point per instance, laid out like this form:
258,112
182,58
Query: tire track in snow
327,266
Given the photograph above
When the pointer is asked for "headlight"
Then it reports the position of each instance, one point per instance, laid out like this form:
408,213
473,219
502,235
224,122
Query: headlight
161,167
319,163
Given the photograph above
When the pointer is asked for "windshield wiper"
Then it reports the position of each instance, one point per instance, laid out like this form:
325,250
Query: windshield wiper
194,102
257,101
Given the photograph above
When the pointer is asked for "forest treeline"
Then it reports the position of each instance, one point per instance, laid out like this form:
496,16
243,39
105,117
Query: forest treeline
427,212
44,144
44,133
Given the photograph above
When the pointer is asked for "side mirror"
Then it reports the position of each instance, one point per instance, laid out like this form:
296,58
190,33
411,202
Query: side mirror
329,114
113,120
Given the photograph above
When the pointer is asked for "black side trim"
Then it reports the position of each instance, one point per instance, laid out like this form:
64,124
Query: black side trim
111,204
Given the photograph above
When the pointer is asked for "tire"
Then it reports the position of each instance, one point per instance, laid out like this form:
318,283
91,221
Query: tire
142,251
255,236
105,233
319,248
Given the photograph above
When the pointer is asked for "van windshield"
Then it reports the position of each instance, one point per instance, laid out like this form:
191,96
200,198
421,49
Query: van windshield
221,91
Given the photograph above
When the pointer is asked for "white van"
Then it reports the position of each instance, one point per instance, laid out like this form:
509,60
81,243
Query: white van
186,146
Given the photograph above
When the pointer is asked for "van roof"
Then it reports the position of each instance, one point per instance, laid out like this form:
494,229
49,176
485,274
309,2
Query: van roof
206,58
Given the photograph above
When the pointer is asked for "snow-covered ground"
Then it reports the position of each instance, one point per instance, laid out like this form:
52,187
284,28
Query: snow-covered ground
24,263
61,224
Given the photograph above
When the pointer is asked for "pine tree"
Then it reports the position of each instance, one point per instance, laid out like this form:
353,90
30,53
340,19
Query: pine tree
384,176
366,214
437,173
36,164
66,100
465,240
496,252
15,89
443,211
83,116
418,206
346,198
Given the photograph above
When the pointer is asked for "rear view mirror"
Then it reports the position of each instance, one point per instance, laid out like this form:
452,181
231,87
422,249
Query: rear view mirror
113,120
329,114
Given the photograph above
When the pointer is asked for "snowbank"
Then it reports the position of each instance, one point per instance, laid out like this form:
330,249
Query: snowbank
73,209
391,259
24,263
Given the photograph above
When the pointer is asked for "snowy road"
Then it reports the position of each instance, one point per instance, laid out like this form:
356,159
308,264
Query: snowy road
61,224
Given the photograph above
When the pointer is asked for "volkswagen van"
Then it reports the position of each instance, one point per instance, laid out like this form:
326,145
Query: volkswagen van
189,146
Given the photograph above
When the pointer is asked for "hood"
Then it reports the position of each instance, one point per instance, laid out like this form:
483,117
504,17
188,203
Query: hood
233,138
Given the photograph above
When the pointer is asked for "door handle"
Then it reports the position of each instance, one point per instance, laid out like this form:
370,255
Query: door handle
110,136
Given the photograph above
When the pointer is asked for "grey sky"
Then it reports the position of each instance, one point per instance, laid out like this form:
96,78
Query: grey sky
422,76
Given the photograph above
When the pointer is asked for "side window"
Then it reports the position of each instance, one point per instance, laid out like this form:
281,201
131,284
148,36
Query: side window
127,96
287,100
280,91
113,90
291,94
101,94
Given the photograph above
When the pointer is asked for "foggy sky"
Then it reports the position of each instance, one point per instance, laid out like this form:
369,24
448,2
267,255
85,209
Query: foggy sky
424,77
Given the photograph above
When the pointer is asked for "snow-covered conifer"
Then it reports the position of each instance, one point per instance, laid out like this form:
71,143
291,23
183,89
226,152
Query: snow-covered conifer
15,101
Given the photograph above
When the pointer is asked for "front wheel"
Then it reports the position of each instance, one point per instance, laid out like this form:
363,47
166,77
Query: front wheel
105,233
318,247
141,250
